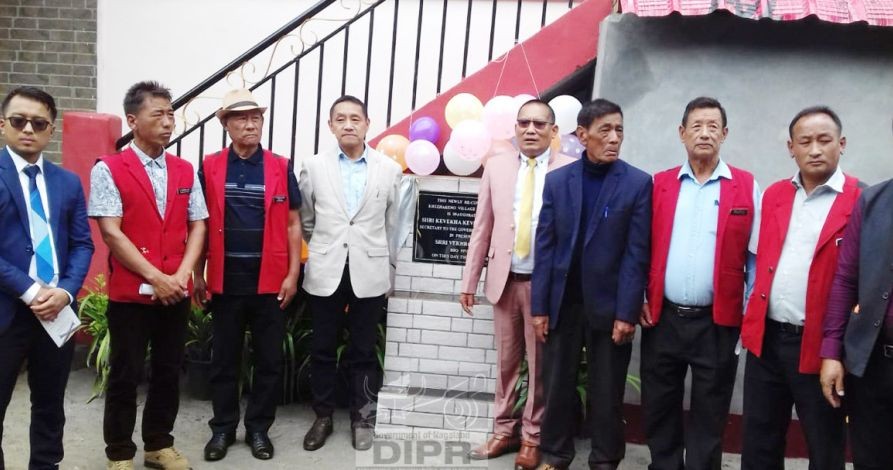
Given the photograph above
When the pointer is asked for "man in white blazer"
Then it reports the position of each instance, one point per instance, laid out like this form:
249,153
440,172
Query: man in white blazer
349,214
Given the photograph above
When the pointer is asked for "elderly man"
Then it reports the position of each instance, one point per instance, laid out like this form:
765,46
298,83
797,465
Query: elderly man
704,212
858,343
254,258
150,210
508,208
44,255
349,217
588,286
802,220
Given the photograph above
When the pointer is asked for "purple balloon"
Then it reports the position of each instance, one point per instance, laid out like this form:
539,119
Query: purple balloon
424,128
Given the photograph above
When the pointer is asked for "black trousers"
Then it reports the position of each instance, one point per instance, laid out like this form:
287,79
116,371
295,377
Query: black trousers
772,385
48,368
669,349
362,323
869,403
133,327
607,365
232,313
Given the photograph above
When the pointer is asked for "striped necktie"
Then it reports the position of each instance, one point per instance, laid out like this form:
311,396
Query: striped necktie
40,228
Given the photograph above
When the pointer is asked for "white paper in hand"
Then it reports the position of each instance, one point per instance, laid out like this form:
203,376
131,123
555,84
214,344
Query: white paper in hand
63,327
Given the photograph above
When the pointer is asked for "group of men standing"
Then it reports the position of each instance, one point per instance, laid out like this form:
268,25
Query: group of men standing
228,235
577,253
699,257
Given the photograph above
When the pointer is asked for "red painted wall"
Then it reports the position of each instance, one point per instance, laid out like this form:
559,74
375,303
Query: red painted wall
86,136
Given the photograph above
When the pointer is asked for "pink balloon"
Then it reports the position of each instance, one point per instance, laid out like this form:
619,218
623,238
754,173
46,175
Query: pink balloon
520,100
499,147
422,157
500,114
571,146
471,140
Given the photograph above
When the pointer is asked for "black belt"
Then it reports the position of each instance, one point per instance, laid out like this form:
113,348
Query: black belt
520,277
686,311
788,328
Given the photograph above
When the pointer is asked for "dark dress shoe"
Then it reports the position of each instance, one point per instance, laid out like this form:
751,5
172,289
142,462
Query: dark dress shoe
316,436
261,447
215,449
362,436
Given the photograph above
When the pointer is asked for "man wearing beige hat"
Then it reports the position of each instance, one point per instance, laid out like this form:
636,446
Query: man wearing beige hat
253,260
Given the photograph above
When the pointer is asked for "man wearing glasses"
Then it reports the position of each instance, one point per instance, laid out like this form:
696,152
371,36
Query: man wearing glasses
44,256
254,256
508,208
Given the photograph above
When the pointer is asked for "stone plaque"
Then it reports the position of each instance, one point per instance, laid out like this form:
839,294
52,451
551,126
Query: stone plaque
443,223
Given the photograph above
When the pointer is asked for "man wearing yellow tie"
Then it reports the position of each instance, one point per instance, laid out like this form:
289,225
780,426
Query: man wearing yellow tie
509,201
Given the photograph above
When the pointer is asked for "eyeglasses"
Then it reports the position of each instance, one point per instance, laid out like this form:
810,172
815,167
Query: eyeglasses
538,125
19,123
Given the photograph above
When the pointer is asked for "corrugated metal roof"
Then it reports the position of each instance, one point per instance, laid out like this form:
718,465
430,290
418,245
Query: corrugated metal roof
874,12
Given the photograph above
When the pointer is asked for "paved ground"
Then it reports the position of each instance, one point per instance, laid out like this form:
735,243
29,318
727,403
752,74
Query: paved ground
84,445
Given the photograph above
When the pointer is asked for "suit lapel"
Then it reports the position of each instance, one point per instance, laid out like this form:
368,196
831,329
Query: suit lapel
601,204
333,167
138,171
373,166
783,209
272,177
14,185
839,214
575,186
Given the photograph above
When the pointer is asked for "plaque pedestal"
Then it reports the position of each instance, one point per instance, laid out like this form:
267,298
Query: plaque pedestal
440,364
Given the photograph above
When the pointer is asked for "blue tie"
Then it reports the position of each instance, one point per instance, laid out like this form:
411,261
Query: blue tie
40,228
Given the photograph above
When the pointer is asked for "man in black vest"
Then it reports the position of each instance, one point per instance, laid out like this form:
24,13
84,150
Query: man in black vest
858,342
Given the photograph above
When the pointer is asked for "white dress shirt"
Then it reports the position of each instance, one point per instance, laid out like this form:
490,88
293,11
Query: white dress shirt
20,165
525,266
787,299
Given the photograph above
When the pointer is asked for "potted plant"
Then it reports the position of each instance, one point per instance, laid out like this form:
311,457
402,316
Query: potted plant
199,336
91,310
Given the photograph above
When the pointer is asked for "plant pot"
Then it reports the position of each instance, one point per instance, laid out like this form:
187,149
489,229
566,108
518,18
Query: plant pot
198,379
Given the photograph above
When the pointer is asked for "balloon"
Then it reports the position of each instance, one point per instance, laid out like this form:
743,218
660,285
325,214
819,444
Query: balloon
499,147
422,157
456,164
462,107
394,146
499,116
566,108
520,100
571,146
471,140
424,128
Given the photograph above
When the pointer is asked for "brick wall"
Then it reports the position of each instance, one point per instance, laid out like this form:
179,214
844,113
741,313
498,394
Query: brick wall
50,44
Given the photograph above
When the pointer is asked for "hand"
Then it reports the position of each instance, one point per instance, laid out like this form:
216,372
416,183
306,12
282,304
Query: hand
48,302
200,293
287,291
168,289
467,302
623,332
831,378
541,327
645,318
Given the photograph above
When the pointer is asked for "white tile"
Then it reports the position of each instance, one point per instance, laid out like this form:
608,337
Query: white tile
445,338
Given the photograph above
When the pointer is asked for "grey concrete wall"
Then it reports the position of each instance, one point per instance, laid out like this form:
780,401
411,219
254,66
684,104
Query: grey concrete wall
763,73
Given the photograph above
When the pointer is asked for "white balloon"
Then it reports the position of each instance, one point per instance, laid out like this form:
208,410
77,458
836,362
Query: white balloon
520,100
456,164
566,108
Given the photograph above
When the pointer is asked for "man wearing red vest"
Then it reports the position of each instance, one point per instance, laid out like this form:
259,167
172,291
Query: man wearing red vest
254,257
150,210
702,218
802,224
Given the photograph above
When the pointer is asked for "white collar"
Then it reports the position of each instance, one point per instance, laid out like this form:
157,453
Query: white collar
20,163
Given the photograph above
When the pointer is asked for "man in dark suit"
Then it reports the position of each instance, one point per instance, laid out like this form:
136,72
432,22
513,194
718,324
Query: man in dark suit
44,256
598,210
858,329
